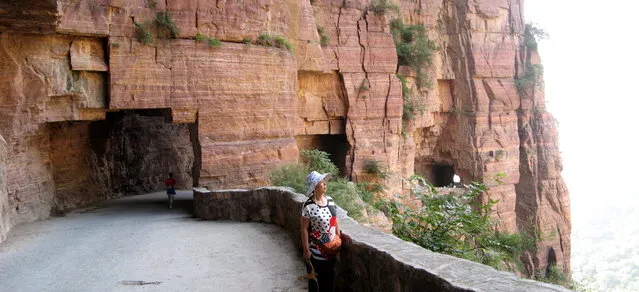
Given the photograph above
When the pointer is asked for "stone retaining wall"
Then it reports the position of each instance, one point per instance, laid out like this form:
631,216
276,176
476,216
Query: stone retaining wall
370,260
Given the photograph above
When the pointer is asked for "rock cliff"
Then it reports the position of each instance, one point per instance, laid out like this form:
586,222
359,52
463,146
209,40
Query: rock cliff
90,112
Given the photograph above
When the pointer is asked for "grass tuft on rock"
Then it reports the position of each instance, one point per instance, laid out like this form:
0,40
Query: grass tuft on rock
165,22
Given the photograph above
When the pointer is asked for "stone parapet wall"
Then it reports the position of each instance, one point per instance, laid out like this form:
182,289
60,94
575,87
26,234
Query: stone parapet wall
370,260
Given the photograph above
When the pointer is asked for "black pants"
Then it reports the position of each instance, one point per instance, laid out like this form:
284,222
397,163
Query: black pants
325,271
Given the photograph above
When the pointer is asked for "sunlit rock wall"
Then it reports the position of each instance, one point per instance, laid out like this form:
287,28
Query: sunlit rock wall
250,108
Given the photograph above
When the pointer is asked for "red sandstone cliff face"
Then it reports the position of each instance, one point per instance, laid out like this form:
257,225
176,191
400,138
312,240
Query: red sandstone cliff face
239,109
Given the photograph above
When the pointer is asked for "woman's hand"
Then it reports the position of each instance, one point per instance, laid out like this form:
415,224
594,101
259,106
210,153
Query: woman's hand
307,254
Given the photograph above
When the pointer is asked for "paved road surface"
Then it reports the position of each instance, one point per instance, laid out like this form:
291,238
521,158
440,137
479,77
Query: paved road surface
138,244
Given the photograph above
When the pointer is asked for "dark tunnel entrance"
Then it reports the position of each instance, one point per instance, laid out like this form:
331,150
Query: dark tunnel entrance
443,175
440,175
335,145
143,146
130,152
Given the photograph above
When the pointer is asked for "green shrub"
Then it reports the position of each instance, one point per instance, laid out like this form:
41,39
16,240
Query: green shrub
319,161
375,168
414,49
165,22
530,77
274,41
265,40
324,40
115,45
283,43
292,175
346,194
246,41
383,7
142,34
533,34
459,225
323,37
200,37
213,42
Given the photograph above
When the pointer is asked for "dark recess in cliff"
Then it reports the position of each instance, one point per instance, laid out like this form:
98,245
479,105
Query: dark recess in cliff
335,145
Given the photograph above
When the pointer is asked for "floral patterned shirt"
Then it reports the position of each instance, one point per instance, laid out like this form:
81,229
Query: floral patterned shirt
322,225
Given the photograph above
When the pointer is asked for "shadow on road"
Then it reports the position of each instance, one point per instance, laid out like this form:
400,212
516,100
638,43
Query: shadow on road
146,203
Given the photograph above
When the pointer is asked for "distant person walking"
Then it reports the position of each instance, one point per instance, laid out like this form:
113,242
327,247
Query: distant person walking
170,188
320,231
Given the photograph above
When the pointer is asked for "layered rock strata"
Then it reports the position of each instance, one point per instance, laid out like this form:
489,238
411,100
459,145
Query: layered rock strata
241,109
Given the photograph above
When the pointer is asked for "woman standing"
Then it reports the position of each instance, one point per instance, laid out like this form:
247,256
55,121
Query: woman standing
320,230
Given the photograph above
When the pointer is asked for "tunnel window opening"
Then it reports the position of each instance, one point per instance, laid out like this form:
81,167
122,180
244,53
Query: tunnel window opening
335,145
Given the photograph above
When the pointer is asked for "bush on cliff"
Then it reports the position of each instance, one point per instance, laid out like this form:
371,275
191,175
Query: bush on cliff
532,34
323,37
212,42
347,195
319,161
274,41
166,23
459,225
414,49
383,7
142,34
291,175
529,79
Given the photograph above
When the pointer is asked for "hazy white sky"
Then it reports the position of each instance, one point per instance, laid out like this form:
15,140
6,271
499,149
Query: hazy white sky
590,64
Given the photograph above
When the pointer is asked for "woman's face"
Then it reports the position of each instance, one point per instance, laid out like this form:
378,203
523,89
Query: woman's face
320,188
